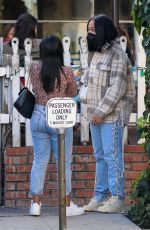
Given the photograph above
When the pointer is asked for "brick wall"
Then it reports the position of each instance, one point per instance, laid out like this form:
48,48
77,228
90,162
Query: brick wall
18,165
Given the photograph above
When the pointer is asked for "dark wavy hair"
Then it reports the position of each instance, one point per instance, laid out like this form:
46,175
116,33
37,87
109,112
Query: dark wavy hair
51,55
6,30
25,28
105,29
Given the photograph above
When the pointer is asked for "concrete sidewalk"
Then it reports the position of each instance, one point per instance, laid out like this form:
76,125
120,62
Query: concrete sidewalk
18,219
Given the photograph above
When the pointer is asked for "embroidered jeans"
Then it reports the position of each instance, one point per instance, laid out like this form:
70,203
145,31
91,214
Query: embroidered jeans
45,140
107,144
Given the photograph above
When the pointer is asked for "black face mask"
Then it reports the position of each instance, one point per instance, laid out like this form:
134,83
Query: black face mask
92,42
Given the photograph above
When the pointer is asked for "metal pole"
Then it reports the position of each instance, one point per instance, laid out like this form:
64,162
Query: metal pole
62,180
116,12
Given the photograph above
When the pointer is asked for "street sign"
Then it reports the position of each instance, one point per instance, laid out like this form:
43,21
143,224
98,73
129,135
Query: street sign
61,112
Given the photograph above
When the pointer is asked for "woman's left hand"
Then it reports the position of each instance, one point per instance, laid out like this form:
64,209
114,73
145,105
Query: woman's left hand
96,119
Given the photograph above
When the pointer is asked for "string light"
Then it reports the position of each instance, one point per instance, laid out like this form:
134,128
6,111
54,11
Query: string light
135,69
142,73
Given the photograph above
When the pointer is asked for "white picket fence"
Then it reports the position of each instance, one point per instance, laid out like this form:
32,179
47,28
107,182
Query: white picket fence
10,78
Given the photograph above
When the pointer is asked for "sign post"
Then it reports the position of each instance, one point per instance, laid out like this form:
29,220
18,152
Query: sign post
62,180
61,114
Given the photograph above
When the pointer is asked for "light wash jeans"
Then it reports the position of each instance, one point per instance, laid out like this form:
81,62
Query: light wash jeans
107,144
45,140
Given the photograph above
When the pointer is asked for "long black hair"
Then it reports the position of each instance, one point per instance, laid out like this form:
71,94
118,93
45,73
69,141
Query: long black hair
25,28
51,55
105,30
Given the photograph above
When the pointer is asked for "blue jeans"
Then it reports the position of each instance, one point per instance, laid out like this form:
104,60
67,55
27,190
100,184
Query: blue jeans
107,144
45,140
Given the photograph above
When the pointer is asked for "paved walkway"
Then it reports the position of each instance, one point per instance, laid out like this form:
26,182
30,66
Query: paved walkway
18,219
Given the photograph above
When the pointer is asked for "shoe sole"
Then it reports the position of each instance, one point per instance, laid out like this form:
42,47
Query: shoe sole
114,212
120,210
90,210
34,214
76,214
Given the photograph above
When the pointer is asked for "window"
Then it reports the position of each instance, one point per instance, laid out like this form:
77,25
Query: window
48,9
64,10
11,9
125,8
72,29
62,17
53,11
106,7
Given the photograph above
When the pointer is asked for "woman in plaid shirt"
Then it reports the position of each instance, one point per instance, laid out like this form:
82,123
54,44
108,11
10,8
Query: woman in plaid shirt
110,99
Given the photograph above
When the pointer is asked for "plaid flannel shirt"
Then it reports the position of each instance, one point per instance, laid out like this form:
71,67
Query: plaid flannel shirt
111,90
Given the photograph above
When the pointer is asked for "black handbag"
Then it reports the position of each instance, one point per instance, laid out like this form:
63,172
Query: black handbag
25,103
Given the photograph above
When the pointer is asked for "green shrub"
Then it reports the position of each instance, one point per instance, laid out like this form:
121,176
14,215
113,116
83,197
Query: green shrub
140,208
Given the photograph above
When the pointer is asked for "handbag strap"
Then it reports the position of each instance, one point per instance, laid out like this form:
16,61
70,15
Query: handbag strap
28,79
28,82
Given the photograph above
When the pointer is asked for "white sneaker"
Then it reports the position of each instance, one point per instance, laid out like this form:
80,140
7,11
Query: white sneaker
35,209
74,210
93,205
113,205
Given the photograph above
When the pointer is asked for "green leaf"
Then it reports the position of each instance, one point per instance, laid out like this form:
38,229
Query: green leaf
146,41
140,211
147,148
148,208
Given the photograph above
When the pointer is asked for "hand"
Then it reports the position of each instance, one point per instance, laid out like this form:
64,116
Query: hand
96,119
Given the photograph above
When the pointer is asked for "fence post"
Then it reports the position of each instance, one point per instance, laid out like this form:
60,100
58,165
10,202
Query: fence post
15,90
28,59
66,45
1,51
1,154
141,62
84,124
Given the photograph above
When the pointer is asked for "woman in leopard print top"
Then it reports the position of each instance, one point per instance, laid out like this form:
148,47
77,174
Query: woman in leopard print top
50,79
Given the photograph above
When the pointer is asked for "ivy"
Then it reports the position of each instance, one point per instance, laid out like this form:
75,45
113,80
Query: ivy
147,100
140,211
141,17
140,208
